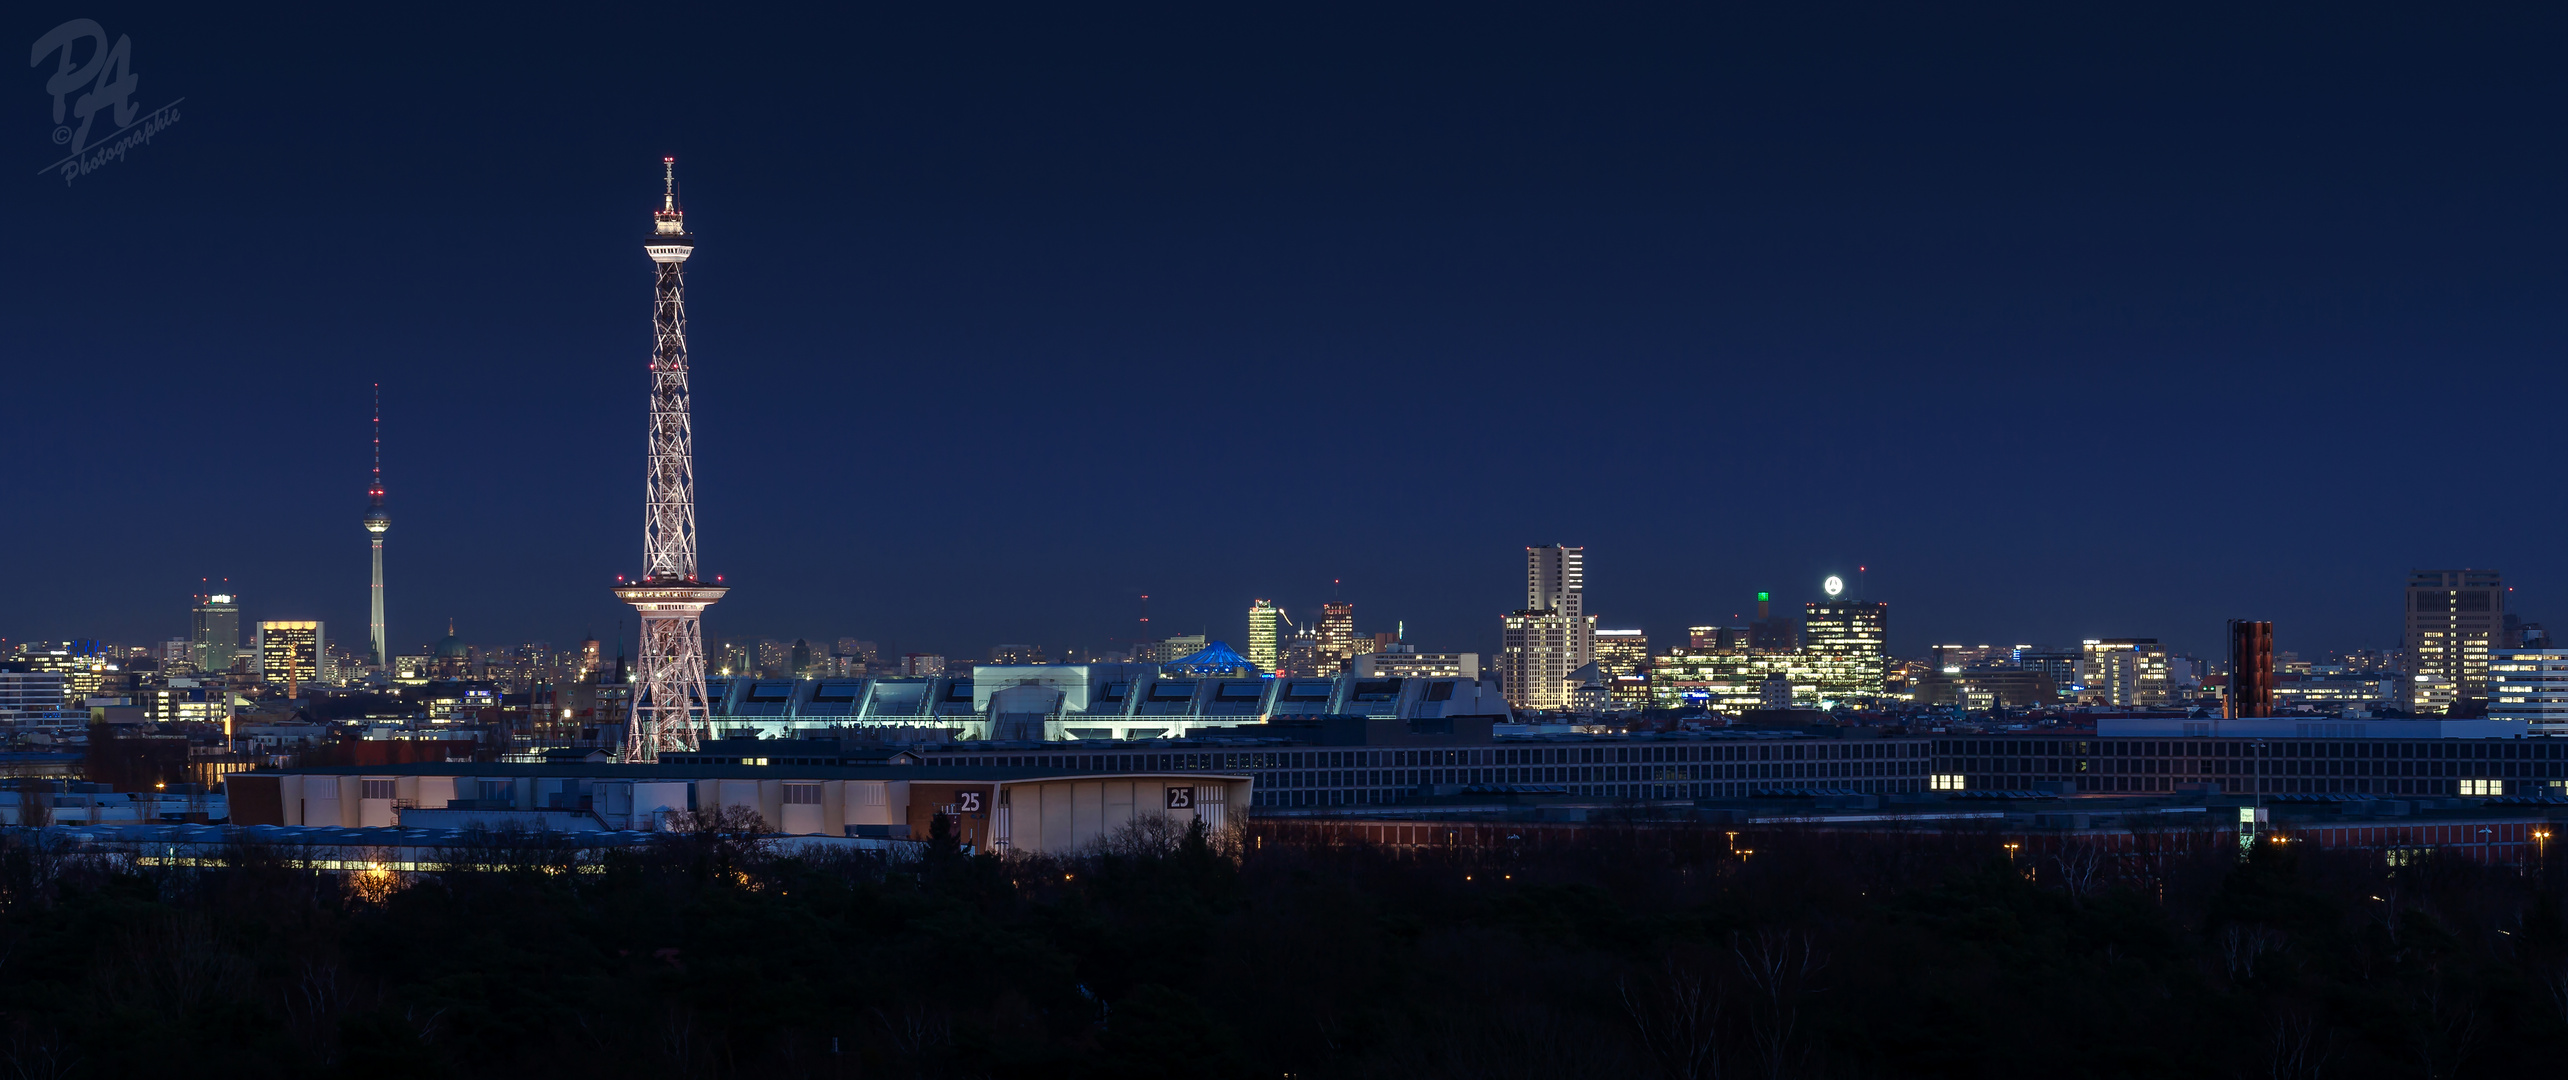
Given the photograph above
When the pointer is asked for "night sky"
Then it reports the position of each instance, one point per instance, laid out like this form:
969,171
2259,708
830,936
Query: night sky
2105,322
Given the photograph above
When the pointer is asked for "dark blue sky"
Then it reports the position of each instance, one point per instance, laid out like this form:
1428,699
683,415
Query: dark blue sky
2068,323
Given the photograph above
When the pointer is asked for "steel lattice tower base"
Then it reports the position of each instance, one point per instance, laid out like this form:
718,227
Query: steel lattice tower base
669,712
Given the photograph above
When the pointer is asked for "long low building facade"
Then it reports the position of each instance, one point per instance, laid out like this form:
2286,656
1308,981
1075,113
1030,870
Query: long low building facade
1055,702
1025,809
2263,756
1318,763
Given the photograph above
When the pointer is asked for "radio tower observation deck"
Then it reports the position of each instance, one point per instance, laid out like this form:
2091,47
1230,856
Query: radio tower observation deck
669,694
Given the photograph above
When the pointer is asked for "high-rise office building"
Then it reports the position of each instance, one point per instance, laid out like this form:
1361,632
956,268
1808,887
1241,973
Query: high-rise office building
2251,668
82,666
1842,642
1299,653
292,653
1553,635
1537,652
27,692
215,631
1406,662
1623,664
2060,664
1716,639
2531,685
1972,657
1622,652
1169,649
1728,681
185,703
1337,632
860,648
2453,620
2124,671
1264,620
1556,579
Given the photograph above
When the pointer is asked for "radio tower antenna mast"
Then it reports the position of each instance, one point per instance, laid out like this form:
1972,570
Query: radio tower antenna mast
669,708
377,521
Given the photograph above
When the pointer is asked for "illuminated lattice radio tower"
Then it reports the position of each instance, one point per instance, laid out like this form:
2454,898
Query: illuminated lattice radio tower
668,694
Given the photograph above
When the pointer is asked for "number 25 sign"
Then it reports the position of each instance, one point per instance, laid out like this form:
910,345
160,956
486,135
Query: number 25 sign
1181,798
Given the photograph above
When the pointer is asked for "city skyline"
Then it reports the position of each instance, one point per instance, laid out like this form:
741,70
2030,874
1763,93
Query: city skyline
1902,642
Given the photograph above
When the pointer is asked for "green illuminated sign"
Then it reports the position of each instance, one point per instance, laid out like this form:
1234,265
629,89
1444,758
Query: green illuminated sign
1761,598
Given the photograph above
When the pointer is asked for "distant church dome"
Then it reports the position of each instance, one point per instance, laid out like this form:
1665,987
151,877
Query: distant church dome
452,647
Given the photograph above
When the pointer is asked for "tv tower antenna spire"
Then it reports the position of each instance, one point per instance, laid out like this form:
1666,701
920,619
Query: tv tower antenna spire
669,706
377,521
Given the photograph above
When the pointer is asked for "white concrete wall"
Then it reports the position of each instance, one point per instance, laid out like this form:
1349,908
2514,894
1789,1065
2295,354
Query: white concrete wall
653,798
318,803
715,795
874,802
434,792
806,820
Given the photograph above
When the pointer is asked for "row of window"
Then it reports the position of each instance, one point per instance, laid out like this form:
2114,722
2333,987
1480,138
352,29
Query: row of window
2446,749
1866,750
2278,767
795,794
2271,785
1589,774
501,791
1318,797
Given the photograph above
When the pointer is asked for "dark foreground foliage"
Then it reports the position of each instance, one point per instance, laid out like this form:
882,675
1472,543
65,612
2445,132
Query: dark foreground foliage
1627,955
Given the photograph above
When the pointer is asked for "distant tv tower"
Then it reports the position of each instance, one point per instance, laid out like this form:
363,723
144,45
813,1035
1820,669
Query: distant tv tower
669,711
376,522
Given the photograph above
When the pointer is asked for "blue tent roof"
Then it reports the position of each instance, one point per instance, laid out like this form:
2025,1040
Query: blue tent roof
1214,659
